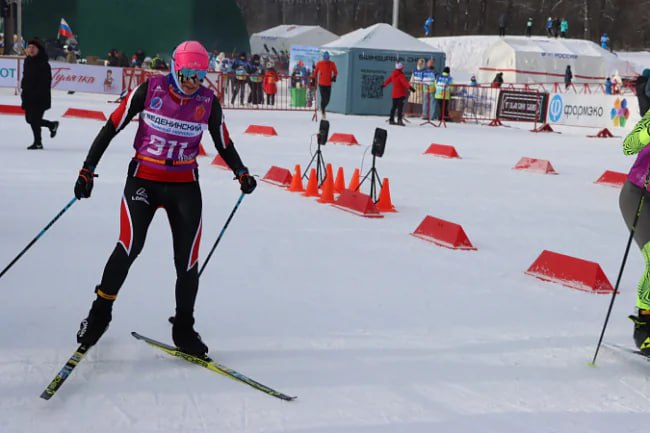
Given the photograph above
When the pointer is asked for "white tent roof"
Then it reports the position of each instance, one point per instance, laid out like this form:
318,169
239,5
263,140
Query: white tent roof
542,59
467,54
282,37
380,36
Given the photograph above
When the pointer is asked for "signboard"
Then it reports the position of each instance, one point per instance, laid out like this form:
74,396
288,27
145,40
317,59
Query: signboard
86,78
521,106
599,111
8,72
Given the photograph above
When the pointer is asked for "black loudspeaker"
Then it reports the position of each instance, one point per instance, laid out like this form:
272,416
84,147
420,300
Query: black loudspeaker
323,132
379,142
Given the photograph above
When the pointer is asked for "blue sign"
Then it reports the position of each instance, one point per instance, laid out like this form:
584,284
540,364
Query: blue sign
555,108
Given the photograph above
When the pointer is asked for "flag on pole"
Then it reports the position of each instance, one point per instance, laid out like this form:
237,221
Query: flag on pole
65,30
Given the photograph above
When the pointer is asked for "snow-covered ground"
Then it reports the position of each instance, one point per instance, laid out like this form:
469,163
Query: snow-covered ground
373,329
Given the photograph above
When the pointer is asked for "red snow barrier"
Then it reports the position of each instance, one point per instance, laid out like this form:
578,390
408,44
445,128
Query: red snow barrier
84,114
339,138
358,203
570,272
219,162
442,150
443,233
603,133
535,165
278,176
267,131
202,151
612,178
11,109
544,128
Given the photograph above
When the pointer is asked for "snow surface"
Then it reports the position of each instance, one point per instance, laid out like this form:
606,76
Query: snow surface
375,330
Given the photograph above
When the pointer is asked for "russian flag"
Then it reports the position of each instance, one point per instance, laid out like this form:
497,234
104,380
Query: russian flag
65,30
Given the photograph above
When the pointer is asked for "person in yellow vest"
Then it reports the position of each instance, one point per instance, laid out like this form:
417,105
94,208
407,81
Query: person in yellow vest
443,93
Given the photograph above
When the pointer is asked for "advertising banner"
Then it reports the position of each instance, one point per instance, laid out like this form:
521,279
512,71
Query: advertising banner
8,72
521,106
598,111
86,78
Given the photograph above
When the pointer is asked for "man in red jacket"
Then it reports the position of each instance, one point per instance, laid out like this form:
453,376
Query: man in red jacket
324,75
400,91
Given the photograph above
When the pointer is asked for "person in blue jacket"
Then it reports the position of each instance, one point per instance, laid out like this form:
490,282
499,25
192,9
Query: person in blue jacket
604,41
428,24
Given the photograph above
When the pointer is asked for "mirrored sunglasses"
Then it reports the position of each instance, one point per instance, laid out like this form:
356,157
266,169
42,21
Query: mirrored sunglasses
191,73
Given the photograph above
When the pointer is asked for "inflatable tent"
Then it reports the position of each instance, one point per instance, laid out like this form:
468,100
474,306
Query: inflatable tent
365,58
279,39
544,60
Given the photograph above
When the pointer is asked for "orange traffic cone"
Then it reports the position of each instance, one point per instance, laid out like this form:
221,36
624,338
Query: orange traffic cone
339,183
354,182
384,204
327,195
296,180
312,185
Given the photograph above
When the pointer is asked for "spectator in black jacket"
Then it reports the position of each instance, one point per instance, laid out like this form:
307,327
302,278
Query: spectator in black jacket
568,76
36,91
643,91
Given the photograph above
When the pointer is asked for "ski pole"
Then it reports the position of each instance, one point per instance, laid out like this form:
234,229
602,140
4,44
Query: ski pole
38,236
223,230
620,272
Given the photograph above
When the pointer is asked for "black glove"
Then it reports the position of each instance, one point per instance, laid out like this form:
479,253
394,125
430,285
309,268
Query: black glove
334,79
84,185
246,181
411,89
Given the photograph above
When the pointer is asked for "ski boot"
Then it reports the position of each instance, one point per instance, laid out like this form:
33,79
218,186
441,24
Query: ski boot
642,331
93,327
391,121
35,146
185,338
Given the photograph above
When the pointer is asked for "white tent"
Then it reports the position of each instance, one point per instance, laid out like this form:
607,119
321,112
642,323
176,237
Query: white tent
279,39
544,60
365,58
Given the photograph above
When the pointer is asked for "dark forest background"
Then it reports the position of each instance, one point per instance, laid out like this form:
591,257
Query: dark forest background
627,22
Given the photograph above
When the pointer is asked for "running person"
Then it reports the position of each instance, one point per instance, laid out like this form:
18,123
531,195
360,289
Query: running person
174,110
324,75
637,142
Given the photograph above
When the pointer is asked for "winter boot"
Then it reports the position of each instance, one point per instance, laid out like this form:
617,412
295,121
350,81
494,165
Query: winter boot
94,326
54,128
391,121
186,338
36,145
400,122
642,331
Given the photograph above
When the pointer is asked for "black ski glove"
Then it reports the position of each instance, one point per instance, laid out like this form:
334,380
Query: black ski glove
334,79
84,185
246,181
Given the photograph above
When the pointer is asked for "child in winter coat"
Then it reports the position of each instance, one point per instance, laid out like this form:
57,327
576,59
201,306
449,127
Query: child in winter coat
269,83
401,88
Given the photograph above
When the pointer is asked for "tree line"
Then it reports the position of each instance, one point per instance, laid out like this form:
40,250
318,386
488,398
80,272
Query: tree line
625,21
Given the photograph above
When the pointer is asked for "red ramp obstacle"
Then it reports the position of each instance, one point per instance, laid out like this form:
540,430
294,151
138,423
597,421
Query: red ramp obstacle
11,109
570,272
347,139
612,178
267,131
358,203
219,162
535,165
84,114
278,176
443,233
603,133
442,150
202,151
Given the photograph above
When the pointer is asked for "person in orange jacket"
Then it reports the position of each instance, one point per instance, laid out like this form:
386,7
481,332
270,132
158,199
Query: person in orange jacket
270,88
401,87
324,75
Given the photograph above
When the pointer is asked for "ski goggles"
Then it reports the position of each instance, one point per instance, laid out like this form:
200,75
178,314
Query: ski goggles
192,73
